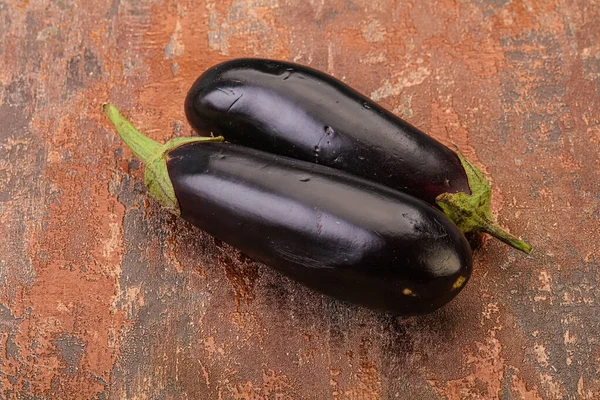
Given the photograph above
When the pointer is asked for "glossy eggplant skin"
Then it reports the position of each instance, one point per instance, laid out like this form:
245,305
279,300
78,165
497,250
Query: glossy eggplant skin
342,235
299,112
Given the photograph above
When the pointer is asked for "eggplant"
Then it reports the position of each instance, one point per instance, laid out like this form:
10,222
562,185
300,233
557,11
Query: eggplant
341,235
299,112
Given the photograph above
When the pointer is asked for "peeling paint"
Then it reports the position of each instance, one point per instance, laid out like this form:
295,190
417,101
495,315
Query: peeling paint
396,86
175,47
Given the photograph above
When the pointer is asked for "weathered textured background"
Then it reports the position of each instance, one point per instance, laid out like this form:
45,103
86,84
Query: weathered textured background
103,295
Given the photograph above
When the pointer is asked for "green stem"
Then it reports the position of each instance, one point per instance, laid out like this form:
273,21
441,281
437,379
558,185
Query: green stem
142,146
511,240
153,155
473,212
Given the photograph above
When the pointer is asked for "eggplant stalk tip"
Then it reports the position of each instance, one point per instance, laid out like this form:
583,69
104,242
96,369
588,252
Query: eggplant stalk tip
473,212
142,146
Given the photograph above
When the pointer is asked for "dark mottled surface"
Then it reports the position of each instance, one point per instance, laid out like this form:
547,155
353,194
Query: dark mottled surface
103,295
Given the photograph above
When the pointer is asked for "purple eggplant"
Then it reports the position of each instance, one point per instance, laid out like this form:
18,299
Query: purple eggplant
302,113
344,236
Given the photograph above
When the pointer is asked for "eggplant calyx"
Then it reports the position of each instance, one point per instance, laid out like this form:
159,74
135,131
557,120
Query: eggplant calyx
153,155
473,212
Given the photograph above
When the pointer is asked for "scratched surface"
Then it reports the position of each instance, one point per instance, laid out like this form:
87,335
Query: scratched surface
103,295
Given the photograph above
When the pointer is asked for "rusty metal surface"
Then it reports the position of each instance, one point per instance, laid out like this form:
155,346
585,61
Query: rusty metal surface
103,295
